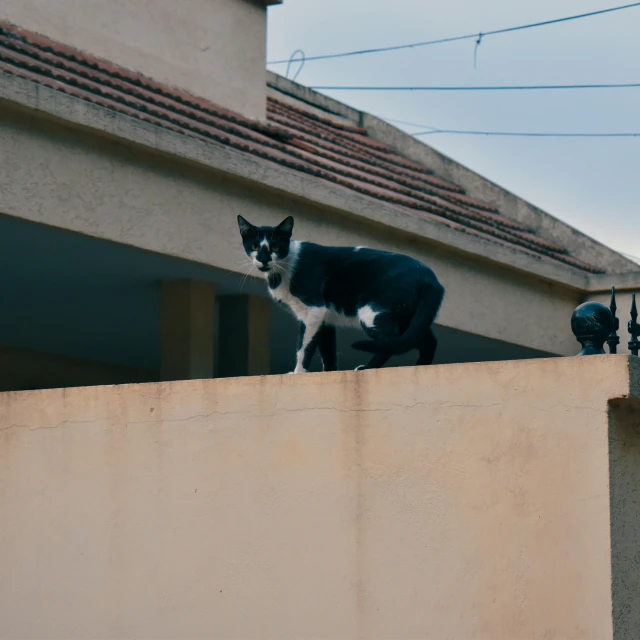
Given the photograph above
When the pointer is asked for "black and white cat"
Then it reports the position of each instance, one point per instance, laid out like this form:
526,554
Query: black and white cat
392,297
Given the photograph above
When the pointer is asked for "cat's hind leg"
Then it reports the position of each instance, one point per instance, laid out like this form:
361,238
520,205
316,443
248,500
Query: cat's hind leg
377,361
427,348
383,328
327,347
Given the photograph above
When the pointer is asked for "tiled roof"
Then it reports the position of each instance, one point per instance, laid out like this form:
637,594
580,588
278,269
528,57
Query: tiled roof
292,137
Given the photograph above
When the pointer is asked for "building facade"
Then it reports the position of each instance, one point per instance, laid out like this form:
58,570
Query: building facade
127,152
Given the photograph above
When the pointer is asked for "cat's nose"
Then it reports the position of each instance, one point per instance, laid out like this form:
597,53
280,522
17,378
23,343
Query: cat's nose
264,257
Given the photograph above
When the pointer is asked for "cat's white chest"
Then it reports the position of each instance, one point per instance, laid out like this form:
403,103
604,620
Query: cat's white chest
314,315
282,294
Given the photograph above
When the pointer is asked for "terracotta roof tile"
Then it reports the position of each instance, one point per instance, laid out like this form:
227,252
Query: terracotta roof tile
293,137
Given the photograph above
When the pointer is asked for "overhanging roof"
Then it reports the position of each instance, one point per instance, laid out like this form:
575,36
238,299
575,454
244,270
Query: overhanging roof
294,137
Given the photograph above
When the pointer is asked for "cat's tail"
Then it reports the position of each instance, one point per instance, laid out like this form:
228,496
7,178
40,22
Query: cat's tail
428,306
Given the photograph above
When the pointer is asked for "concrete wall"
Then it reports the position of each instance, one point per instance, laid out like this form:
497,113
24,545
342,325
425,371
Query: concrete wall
212,48
471,501
130,195
624,490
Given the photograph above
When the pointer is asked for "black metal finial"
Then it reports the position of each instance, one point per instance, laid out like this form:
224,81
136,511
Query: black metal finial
591,324
634,328
613,340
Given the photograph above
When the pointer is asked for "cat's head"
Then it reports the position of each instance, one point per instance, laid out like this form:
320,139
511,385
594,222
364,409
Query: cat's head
266,246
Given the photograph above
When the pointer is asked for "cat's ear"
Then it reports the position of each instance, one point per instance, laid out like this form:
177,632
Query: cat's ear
286,227
245,227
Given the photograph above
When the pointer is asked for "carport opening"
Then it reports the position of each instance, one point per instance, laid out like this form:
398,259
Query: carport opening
81,311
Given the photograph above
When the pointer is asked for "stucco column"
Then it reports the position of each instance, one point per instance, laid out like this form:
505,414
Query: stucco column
244,335
186,328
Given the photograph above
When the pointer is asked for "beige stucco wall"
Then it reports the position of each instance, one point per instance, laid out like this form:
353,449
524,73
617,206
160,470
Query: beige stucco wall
212,48
461,501
91,185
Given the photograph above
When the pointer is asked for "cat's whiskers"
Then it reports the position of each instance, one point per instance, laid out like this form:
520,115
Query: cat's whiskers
234,272
287,275
280,268
286,267
252,268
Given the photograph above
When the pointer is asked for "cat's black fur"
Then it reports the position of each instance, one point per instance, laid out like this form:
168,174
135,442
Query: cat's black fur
392,297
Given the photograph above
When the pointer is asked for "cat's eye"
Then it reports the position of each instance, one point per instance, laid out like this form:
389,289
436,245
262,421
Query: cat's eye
274,247
254,247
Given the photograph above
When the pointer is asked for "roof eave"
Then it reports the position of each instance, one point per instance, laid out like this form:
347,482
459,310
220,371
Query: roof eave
52,104
544,224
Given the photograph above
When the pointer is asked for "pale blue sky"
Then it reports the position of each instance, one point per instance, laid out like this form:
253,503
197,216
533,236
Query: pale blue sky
593,184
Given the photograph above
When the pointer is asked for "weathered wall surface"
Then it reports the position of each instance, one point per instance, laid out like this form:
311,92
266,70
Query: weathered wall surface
93,186
624,428
461,501
212,48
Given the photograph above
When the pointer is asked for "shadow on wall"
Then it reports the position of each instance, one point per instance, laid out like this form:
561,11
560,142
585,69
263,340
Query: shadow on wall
624,487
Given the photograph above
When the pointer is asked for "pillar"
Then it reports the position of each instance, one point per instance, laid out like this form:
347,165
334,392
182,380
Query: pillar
244,335
186,327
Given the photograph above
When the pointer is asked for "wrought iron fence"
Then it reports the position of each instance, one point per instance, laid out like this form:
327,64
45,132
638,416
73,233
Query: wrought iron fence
593,324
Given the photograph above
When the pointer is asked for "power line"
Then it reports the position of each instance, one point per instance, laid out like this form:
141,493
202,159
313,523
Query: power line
524,134
478,36
405,122
426,130
540,87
